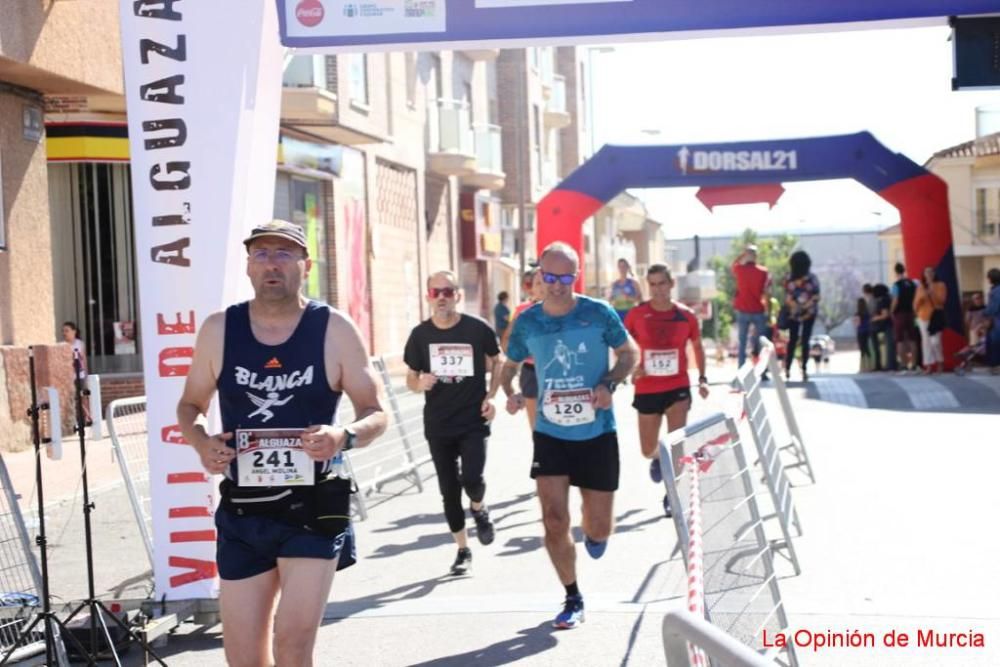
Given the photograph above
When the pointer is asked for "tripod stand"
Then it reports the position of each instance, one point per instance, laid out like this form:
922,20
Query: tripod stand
97,611
53,628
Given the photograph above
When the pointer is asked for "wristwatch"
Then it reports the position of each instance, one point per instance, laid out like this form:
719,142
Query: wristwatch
702,379
610,385
350,440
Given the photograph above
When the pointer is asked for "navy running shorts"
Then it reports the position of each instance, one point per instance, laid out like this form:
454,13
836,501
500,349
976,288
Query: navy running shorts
657,404
589,464
251,545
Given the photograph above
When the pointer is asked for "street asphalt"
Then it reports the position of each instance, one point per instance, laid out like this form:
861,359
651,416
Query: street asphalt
898,536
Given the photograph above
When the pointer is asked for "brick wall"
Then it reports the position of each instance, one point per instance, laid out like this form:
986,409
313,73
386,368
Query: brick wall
53,368
395,267
120,386
66,104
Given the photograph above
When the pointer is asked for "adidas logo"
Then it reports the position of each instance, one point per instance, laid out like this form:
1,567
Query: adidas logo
273,363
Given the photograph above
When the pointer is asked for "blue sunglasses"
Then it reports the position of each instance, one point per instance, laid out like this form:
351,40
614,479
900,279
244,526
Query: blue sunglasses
564,278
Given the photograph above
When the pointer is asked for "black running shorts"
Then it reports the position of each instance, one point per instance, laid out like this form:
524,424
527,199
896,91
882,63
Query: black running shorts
657,404
589,464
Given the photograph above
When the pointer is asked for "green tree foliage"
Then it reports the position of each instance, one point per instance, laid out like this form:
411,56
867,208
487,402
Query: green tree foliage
772,253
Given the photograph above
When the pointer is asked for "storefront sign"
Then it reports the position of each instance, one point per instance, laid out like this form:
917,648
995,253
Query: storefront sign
480,229
307,155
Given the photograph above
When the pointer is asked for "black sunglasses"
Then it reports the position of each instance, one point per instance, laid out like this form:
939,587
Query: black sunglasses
553,278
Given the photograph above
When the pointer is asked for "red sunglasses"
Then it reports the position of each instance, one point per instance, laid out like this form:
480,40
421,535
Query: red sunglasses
446,292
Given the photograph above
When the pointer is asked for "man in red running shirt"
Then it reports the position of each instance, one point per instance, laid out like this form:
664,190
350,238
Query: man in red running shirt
663,328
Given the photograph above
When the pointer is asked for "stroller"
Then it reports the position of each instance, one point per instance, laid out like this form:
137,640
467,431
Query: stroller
969,355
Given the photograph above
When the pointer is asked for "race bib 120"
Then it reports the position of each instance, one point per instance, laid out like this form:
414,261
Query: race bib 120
273,457
569,407
451,360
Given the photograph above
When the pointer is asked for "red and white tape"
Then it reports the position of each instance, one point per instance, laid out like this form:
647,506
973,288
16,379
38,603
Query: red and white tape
696,580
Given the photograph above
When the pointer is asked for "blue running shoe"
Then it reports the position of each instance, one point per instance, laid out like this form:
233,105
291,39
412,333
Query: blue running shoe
571,615
655,473
594,548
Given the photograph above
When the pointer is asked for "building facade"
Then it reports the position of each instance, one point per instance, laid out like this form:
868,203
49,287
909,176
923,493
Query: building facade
972,172
396,164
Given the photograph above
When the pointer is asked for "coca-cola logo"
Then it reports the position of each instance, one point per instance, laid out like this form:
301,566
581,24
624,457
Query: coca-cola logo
309,12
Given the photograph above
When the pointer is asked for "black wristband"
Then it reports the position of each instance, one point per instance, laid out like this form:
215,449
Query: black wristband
610,385
349,440
702,379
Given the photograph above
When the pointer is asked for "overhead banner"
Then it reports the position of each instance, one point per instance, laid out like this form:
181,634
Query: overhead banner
203,104
390,24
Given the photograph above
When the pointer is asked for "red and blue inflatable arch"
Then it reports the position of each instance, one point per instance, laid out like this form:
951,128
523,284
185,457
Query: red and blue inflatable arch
920,196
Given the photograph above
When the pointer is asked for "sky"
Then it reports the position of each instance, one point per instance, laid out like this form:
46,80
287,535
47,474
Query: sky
894,83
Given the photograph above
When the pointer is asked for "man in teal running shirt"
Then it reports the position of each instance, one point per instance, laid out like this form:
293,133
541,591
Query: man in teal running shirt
575,442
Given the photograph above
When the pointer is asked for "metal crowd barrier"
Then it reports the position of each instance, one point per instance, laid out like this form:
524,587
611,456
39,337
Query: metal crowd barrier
20,581
741,594
682,627
126,422
795,445
770,458
399,453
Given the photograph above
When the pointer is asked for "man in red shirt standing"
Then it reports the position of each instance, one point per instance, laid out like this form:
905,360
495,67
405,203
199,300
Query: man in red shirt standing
750,302
663,329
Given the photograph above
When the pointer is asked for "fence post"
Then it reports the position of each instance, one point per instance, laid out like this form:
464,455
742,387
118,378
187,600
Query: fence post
774,472
796,445
398,418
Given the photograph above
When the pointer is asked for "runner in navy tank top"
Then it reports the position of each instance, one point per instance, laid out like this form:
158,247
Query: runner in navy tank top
279,363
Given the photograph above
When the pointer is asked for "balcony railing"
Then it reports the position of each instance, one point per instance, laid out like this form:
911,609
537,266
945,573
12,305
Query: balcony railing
489,151
454,128
305,72
557,102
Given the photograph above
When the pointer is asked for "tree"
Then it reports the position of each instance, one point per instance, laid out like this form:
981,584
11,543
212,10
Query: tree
840,286
772,254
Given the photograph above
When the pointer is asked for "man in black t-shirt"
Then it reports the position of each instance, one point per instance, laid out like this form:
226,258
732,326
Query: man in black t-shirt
448,357
904,326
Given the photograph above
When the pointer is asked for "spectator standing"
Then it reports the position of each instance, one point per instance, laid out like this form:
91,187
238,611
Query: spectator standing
71,335
863,326
802,299
750,302
975,319
625,292
533,290
929,306
993,313
903,326
881,332
501,313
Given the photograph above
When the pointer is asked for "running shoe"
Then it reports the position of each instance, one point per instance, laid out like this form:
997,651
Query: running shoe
594,548
571,614
484,527
463,561
655,473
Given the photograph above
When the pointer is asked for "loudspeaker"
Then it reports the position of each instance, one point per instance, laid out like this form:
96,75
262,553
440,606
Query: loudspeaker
79,627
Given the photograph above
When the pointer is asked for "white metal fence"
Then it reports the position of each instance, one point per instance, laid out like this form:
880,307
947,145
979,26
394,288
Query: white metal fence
126,422
20,580
739,583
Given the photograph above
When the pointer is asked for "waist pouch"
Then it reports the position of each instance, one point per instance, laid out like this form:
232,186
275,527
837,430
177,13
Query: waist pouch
324,508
